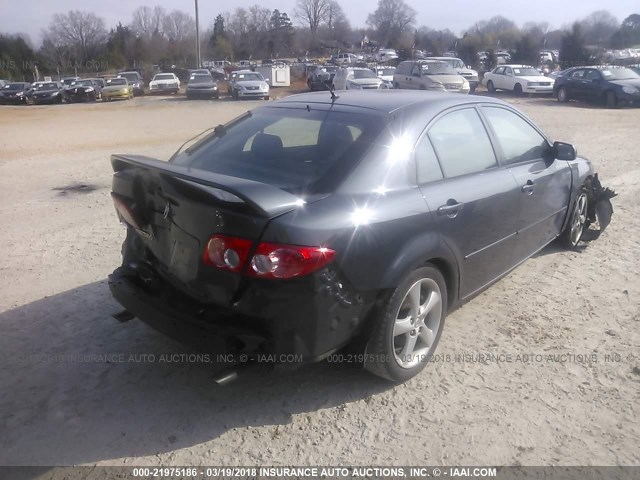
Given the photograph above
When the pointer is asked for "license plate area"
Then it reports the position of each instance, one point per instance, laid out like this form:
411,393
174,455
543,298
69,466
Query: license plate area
184,255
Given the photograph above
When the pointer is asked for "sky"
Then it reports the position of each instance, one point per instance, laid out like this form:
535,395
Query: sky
32,16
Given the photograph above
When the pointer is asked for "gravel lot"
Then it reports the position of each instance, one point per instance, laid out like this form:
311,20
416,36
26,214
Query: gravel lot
562,388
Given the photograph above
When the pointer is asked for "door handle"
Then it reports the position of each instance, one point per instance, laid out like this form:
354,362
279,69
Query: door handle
528,187
450,209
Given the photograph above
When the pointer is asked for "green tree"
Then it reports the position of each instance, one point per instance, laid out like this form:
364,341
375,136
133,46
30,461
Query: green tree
391,20
17,58
572,49
526,51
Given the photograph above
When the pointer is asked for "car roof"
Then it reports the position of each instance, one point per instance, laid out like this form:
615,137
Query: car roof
388,101
513,65
442,58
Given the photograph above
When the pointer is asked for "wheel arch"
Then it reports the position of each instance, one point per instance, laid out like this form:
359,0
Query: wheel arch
434,252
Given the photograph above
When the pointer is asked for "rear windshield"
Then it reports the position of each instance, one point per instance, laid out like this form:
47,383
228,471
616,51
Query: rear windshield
14,86
298,150
164,76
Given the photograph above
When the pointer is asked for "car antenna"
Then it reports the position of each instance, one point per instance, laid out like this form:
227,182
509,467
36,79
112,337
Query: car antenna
334,97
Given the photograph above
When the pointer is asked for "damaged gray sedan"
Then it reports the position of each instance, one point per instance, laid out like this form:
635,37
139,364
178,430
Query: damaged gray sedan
320,221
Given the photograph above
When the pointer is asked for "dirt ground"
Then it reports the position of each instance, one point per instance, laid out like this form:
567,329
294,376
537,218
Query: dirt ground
543,368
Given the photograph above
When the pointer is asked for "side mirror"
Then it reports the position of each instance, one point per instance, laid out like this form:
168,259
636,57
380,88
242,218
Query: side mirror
564,151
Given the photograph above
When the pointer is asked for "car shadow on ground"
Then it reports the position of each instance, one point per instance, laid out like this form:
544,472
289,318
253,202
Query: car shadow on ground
81,387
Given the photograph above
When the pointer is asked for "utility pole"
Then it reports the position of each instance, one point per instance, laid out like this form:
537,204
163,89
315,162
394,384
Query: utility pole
197,37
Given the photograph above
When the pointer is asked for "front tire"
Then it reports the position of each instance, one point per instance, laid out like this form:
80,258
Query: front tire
490,87
408,328
577,222
611,100
563,96
517,90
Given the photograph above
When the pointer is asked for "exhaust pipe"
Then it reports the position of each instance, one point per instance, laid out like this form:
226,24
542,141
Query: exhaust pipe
226,377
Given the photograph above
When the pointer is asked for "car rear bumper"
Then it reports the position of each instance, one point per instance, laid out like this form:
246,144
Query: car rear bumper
309,319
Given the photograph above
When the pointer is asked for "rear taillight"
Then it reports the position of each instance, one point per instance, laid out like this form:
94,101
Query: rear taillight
124,212
270,260
225,252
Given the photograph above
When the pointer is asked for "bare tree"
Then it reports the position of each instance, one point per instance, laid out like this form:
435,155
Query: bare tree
83,32
598,27
148,21
178,27
312,13
391,19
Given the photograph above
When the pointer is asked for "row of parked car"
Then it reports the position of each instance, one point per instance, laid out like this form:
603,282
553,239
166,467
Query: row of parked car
432,73
200,84
613,85
610,85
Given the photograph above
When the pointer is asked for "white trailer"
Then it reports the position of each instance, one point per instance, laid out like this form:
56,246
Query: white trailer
278,74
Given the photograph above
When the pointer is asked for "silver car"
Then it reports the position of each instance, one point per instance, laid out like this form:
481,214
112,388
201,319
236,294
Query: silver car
431,75
248,84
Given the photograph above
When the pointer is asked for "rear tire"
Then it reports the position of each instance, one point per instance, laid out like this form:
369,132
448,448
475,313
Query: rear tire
490,87
408,328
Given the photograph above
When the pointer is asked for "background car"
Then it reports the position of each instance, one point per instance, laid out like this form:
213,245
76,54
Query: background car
345,58
429,75
612,86
117,89
458,65
67,81
385,73
357,78
321,77
165,83
47,92
384,55
16,93
85,90
248,84
202,86
517,79
361,220
135,80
